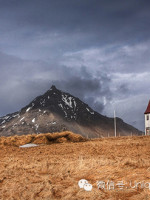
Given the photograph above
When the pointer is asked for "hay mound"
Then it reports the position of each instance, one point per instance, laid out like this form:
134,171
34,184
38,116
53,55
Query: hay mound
47,138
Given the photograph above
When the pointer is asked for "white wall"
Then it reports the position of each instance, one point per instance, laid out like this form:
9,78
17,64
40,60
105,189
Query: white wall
147,122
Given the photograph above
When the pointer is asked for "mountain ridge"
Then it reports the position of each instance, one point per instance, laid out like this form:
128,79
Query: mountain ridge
57,111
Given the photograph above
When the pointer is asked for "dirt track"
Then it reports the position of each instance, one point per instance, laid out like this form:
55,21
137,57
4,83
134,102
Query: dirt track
52,171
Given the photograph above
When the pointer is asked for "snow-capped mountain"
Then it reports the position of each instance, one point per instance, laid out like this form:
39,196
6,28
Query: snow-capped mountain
57,111
69,107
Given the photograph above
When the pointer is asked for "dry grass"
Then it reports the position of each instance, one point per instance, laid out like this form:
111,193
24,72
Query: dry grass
47,138
52,171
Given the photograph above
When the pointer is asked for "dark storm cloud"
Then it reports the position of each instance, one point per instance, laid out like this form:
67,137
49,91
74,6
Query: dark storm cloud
23,80
99,21
98,50
89,89
123,89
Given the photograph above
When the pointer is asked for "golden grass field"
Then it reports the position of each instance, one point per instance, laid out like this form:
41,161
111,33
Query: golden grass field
52,170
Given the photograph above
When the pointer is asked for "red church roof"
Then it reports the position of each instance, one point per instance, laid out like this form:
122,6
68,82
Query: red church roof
147,111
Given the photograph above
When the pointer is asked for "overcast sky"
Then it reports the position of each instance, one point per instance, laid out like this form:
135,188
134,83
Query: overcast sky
98,50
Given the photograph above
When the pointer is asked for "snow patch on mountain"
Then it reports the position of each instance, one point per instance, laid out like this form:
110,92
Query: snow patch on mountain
22,119
8,117
36,126
90,111
67,100
42,102
33,120
28,109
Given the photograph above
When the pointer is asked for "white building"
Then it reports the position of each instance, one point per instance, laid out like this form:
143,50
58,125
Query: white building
147,120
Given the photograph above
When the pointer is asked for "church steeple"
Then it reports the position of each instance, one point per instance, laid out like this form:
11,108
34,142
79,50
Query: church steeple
147,111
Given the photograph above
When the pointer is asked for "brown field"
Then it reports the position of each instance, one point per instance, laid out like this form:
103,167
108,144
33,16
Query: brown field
52,170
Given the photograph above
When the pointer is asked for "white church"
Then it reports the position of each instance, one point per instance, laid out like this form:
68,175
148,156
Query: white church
147,120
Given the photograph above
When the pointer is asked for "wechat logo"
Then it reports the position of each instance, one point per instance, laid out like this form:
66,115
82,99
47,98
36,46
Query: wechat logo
85,185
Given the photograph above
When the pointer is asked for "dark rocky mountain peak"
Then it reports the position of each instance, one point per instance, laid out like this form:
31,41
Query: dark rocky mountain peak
53,87
56,111
62,103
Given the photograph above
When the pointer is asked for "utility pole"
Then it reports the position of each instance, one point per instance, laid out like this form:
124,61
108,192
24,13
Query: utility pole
115,123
